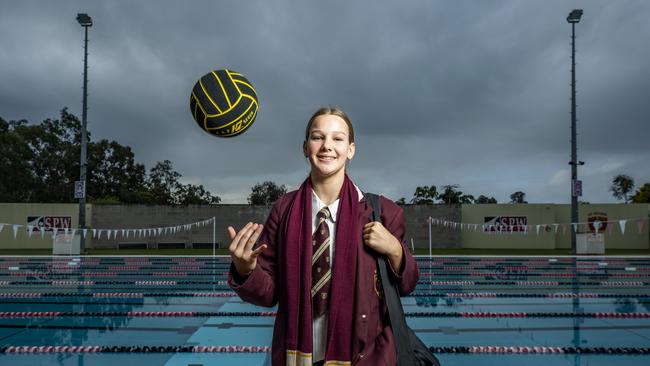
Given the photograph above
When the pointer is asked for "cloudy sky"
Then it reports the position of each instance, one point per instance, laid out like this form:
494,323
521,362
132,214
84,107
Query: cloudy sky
474,93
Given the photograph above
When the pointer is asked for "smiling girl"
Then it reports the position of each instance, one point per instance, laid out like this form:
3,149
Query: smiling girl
317,259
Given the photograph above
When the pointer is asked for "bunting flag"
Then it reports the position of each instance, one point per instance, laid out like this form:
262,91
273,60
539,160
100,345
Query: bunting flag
2,226
73,232
108,235
639,225
575,227
30,228
596,226
16,227
84,232
555,227
123,230
621,224
42,232
54,231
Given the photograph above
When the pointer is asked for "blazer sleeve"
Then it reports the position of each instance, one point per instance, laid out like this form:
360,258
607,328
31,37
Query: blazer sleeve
393,219
260,286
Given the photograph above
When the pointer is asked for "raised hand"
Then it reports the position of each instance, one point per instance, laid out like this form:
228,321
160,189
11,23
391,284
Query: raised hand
244,257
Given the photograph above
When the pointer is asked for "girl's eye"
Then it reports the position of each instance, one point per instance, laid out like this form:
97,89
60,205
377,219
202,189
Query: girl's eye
338,139
316,137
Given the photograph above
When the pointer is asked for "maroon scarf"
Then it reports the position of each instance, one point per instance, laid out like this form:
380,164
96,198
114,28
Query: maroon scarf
296,233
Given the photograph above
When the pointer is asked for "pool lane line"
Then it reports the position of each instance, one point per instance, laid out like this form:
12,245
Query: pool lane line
39,295
418,314
265,349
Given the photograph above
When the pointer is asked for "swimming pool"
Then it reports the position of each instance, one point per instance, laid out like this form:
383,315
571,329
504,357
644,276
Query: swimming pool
180,311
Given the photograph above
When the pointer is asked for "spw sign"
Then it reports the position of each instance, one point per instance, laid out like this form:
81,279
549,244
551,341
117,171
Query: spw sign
506,224
49,222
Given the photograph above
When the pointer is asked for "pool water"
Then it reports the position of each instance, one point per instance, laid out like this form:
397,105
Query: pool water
180,311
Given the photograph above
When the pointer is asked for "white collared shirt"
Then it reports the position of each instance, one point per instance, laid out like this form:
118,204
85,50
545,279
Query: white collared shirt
320,323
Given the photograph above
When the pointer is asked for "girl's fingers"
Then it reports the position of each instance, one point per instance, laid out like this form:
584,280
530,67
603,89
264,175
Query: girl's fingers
256,230
231,232
258,251
236,241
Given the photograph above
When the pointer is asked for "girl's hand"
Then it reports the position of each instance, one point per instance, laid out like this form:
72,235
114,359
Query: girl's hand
241,248
377,237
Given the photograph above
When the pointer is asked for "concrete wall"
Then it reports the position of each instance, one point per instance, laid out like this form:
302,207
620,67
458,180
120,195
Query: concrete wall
140,216
17,213
535,214
632,239
550,214
415,216
417,226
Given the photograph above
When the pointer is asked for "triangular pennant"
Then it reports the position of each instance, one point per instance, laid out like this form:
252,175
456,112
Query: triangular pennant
65,232
42,232
537,228
2,226
84,232
159,231
123,232
73,233
94,233
30,228
596,224
16,227
555,227
54,231
108,235
639,225
621,224
575,227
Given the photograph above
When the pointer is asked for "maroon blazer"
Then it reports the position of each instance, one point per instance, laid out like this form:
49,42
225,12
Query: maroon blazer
373,342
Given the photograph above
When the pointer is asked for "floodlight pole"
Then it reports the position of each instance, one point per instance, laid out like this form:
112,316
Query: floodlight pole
86,22
573,18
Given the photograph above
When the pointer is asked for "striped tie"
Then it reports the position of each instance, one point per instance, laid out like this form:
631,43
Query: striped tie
321,272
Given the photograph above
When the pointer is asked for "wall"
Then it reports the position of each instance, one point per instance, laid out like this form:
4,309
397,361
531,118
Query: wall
17,213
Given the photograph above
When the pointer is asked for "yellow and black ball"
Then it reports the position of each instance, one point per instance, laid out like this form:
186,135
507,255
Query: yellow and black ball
224,103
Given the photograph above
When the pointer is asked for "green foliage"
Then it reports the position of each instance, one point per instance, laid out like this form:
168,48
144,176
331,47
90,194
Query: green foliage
484,199
425,195
518,197
40,163
266,193
622,185
642,195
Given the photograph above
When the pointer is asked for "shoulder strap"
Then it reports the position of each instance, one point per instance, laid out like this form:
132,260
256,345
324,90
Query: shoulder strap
391,296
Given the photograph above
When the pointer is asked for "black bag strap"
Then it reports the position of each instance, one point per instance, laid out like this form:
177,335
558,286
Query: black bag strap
405,356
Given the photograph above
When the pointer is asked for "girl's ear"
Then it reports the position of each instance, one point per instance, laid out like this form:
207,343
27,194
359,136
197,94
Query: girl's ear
304,149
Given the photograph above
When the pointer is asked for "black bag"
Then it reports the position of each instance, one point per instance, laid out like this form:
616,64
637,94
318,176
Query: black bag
410,349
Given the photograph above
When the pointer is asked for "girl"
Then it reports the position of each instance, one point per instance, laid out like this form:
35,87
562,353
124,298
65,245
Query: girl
317,260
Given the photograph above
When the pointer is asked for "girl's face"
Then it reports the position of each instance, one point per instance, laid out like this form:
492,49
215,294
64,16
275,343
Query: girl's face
328,146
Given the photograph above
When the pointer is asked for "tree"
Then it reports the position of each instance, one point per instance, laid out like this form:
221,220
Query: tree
190,194
642,195
425,195
266,193
401,201
451,195
483,200
622,185
40,163
163,183
113,172
16,179
518,197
